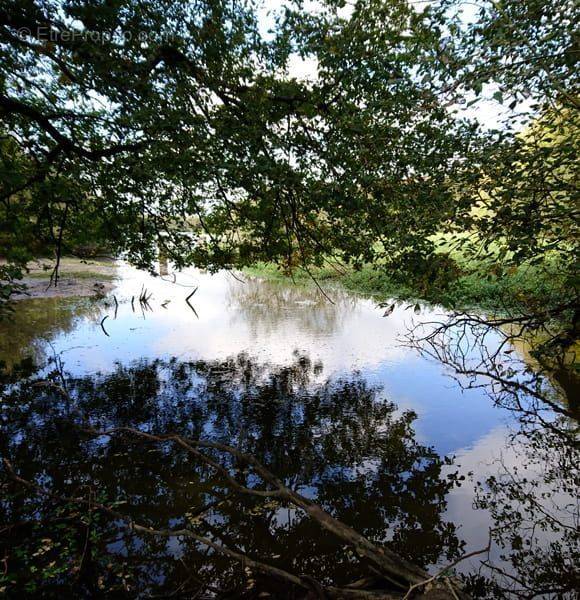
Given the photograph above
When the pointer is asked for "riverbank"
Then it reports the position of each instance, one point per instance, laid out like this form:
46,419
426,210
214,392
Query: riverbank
474,291
76,277
469,292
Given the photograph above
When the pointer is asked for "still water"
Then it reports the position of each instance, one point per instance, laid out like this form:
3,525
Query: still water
328,395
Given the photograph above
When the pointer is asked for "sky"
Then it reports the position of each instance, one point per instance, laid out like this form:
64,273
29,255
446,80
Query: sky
489,112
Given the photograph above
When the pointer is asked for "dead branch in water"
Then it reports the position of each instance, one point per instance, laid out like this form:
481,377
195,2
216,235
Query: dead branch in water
144,297
402,576
398,572
187,300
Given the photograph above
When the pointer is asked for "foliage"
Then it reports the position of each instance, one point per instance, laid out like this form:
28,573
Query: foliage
517,204
9,276
473,288
62,547
198,128
176,127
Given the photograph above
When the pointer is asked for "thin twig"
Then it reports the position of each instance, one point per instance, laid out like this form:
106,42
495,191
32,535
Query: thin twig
103,327
446,569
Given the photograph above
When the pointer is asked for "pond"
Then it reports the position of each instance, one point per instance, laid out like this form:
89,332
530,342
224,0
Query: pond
332,396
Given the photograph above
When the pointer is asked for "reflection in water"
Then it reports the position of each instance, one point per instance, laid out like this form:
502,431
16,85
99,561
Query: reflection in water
532,496
462,343
41,320
530,487
262,302
339,442
373,447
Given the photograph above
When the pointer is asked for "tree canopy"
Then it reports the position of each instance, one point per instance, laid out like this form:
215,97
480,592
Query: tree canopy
178,127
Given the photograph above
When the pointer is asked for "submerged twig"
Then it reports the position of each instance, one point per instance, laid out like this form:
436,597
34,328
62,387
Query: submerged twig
103,327
190,304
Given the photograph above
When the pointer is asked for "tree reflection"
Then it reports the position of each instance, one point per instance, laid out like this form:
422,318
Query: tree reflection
481,354
39,320
533,490
533,501
262,303
338,442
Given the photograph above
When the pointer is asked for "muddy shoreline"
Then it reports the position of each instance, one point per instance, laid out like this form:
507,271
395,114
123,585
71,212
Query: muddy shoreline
77,277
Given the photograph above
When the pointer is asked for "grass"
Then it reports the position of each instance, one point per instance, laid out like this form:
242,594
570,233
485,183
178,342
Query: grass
73,268
470,291
73,275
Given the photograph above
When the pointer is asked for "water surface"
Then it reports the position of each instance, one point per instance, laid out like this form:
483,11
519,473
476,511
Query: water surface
326,394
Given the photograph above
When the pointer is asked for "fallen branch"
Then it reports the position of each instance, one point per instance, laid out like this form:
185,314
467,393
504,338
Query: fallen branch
305,582
402,575
395,569
446,569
